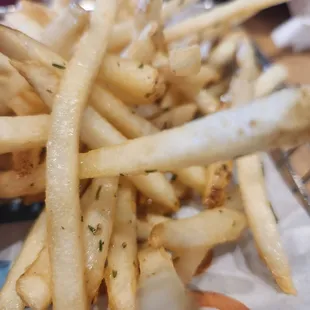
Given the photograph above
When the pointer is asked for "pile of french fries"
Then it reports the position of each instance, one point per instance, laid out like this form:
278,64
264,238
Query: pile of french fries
117,120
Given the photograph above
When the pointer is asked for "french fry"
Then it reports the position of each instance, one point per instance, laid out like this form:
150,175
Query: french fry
25,161
98,219
98,206
97,132
5,162
146,224
230,12
206,229
159,285
108,105
142,48
121,271
62,33
175,117
269,80
173,7
225,51
207,103
187,261
12,184
23,132
241,130
37,281
121,36
218,178
33,244
140,82
148,111
185,61
62,196
262,221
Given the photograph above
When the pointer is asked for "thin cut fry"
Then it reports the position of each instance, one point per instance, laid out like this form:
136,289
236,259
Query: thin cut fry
207,103
228,12
206,229
218,178
23,132
121,271
12,184
269,80
61,34
62,194
220,136
31,248
262,221
175,117
98,219
37,280
159,284
97,132
185,61
146,224
25,161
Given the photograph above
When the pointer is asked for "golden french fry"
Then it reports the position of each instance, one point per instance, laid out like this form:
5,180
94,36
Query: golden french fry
262,221
229,12
176,116
5,162
121,271
23,132
206,229
185,61
62,187
146,224
269,80
37,281
61,34
241,130
207,103
98,221
12,184
25,161
32,246
97,132
218,177
159,285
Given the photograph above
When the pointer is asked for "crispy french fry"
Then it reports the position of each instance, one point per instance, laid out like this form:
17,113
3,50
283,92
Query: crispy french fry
25,161
218,178
185,61
159,285
98,219
225,51
269,80
241,130
34,286
61,34
142,48
12,184
121,271
5,162
230,12
23,132
146,224
62,189
175,117
262,221
32,246
206,229
108,105
207,103
187,261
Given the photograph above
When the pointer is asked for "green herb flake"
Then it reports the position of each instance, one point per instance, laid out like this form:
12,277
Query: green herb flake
58,66
49,91
114,274
141,66
122,174
92,229
98,192
82,218
101,243
62,228
124,245
174,177
106,264
150,171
